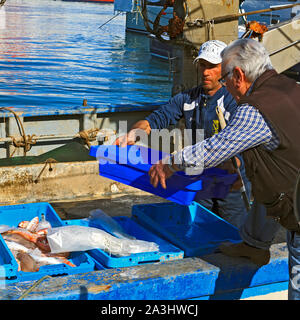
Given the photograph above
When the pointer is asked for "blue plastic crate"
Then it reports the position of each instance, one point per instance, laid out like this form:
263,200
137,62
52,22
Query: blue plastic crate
98,265
8,264
12,215
167,251
193,228
130,166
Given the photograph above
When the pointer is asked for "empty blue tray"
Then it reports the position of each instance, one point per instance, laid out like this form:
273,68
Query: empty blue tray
193,228
167,251
130,165
12,216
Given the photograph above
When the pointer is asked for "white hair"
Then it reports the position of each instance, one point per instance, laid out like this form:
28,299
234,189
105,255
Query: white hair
247,54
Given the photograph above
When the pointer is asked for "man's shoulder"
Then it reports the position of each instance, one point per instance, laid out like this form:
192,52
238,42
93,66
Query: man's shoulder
193,93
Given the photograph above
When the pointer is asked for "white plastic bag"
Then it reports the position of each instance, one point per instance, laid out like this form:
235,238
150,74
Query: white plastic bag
100,218
80,238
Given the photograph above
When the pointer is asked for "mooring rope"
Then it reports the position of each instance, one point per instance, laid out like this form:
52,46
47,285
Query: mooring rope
26,141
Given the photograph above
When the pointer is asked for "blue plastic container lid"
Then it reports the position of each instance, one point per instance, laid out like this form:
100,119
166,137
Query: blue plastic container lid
138,156
130,165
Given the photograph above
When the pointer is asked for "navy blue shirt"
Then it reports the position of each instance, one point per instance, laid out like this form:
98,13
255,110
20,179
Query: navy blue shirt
198,110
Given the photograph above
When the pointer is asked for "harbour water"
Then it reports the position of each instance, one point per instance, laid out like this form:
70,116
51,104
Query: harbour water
52,53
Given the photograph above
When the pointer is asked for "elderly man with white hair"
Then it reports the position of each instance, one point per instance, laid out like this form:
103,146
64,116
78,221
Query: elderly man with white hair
265,130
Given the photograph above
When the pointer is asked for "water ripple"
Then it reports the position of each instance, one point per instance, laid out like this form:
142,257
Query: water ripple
53,54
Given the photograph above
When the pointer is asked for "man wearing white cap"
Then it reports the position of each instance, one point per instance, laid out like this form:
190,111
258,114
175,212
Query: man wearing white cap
198,107
245,130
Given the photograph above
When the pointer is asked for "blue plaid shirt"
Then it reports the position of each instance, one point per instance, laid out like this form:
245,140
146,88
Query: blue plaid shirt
247,129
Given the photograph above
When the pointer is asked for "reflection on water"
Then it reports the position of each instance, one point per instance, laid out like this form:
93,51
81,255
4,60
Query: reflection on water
52,53
2,18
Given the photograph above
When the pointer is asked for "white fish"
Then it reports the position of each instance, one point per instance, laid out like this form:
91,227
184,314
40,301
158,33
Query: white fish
43,225
13,246
43,259
32,225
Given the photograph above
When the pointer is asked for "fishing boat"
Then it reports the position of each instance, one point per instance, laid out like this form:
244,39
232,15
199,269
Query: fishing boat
27,143
134,17
32,136
135,22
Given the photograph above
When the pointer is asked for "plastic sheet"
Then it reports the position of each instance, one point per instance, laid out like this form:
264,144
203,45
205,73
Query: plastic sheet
80,238
100,218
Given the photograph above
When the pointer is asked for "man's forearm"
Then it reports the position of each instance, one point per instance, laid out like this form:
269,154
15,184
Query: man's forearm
246,130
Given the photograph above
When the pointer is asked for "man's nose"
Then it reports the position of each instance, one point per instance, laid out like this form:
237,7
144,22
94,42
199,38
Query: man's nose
205,71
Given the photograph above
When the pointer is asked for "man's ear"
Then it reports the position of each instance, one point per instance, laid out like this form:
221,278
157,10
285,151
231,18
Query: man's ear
239,75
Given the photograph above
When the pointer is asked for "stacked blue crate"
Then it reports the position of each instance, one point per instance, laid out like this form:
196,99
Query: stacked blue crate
130,165
184,223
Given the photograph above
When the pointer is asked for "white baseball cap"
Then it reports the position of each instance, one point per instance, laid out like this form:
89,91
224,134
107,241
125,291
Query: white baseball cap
211,51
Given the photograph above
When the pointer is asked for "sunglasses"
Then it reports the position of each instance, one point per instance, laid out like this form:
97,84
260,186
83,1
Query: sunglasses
222,80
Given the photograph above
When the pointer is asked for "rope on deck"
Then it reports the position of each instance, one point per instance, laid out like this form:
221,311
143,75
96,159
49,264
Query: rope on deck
26,293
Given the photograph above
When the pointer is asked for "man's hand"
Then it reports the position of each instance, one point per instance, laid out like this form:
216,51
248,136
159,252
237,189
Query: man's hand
126,139
159,173
134,133
229,167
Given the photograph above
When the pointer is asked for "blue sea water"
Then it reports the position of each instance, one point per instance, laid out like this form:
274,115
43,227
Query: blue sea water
52,53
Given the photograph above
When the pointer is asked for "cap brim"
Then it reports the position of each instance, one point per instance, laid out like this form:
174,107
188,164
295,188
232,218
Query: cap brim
207,58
